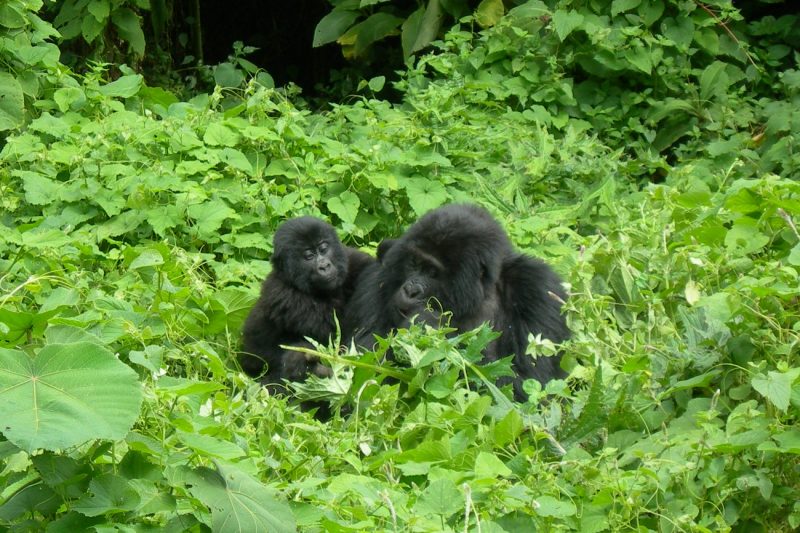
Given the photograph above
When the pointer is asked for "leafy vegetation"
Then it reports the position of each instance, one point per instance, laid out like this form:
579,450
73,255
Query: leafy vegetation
647,149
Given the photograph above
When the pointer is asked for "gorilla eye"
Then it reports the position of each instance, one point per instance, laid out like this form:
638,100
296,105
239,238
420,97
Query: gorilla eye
308,255
323,247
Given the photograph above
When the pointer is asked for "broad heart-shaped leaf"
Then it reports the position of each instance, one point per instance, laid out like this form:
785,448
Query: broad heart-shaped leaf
238,502
66,395
776,386
566,21
424,194
11,104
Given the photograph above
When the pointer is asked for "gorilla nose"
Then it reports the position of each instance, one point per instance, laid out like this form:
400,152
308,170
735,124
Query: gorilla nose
324,267
412,291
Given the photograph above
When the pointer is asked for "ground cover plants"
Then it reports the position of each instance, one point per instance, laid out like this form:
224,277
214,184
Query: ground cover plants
646,149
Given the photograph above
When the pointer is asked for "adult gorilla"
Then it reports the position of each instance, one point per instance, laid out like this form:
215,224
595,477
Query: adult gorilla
312,276
458,258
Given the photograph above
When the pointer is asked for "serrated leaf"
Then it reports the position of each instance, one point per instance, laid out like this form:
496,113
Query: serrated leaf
621,6
148,258
99,9
489,12
237,160
424,194
565,22
440,498
345,206
489,466
66,395
238,502
639,57
108,493
776,387
220,135
39,190
210,215
11,102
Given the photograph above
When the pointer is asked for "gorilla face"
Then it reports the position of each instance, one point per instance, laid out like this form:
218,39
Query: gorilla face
450,260
309,256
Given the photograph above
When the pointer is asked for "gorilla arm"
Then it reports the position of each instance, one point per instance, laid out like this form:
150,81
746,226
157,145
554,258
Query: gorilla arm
531,297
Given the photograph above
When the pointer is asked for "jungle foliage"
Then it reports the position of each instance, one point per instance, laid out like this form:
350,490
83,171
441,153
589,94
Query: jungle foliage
647,149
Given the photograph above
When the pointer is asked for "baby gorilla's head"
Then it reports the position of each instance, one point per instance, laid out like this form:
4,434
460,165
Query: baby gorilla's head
309,256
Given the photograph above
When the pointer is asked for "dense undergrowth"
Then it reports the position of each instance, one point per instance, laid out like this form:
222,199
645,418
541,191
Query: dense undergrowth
647,149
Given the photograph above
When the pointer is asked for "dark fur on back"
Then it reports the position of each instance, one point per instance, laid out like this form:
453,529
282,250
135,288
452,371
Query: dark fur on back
298,301
460,258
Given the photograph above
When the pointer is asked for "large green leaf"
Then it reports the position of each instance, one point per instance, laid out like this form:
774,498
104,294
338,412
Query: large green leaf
65,395
130,29
238,502
333,25
11,110
421,27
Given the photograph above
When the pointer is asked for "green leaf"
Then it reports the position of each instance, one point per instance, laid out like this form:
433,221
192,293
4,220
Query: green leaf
220,135
489,466
66,395
440,498
508,429
148,258
424,194
489,12
210,215
12,16
130,29
549,506
236,159
680,31
565,22
376,84
375,28
794,256
776,387
124,87
238,502
333,25
227,75
620,6
744,237
11,102
639,57
99,9
211,446
345,206
91,28
714,81
108,493
39,190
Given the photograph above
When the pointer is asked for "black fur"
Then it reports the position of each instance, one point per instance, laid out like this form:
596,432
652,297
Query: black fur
458,258
312,276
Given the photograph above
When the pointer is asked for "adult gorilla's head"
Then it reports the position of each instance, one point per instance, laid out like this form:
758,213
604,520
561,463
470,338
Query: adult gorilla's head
309,256
449,260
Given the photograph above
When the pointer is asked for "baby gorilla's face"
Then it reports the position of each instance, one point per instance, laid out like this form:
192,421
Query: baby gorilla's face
319,262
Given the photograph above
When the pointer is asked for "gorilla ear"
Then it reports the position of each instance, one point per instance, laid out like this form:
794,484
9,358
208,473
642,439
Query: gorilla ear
384,247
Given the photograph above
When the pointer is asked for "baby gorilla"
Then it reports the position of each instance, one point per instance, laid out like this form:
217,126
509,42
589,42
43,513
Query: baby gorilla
458,258
312,276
